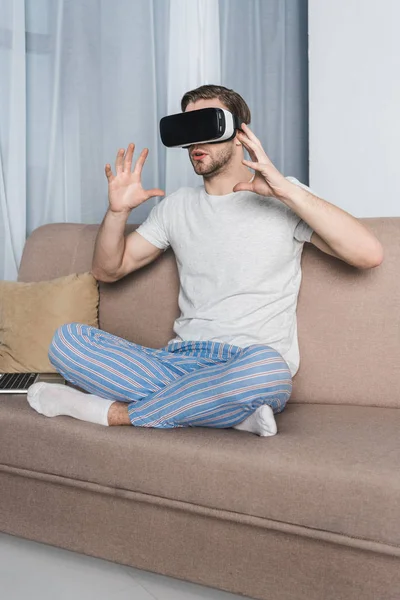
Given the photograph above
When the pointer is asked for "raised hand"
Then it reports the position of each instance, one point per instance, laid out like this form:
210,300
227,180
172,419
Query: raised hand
268,181
125,190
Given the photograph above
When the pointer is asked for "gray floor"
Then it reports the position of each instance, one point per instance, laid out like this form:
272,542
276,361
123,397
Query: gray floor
36,571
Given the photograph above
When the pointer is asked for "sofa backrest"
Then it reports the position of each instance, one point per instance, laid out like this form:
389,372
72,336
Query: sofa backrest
348,318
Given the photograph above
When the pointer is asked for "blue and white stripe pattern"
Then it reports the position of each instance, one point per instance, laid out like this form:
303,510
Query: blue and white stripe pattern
184,384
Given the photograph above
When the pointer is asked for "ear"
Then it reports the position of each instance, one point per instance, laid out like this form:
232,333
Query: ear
237,141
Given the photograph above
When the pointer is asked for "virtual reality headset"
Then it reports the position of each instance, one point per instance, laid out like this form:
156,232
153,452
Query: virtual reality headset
204,126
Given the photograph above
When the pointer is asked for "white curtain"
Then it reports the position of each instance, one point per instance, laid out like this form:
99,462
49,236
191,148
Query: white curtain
194,52
81,79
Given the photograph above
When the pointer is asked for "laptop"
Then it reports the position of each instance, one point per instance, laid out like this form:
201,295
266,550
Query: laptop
18,383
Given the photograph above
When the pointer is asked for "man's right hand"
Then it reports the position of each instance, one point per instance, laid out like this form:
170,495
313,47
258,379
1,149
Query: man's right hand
125,190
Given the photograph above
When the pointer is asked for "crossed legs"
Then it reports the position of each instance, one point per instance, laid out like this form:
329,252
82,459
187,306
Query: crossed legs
185,384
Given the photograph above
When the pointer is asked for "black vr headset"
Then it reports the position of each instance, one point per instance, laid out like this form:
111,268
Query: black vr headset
204,126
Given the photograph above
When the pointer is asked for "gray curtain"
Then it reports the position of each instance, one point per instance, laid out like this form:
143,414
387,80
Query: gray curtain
264,57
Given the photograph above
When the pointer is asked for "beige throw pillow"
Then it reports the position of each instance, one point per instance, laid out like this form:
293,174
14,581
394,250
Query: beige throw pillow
30,313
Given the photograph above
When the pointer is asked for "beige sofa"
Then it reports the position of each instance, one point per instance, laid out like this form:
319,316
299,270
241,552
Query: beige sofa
310,514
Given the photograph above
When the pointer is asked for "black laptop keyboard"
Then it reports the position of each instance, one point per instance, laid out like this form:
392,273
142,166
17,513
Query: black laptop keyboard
16,381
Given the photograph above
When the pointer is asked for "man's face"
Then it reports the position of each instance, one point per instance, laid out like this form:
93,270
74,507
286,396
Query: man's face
215,156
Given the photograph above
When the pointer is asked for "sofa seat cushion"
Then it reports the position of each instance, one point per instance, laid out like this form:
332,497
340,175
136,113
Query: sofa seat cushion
330,468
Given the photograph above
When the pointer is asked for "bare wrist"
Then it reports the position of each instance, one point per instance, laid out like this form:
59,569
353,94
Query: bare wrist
118,213
293,193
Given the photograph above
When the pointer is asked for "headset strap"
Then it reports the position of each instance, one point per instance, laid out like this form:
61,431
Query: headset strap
236,121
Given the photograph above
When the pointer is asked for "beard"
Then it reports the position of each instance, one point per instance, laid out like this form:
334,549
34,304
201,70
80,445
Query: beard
215,163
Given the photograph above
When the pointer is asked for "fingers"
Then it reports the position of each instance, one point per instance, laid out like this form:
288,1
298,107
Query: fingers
250,134
123,163
254,165
137,171
128,158
119,162
109,173
155,192
252,143
255,154
251,146
242,187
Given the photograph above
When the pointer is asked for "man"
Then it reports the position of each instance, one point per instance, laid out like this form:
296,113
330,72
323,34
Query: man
238,242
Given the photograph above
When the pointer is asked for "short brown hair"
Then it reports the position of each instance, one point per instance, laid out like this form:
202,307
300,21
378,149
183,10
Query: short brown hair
232,100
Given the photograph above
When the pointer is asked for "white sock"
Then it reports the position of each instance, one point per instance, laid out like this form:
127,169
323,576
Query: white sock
262,422
54,399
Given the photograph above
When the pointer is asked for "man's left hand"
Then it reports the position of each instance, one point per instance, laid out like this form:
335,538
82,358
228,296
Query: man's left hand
268,181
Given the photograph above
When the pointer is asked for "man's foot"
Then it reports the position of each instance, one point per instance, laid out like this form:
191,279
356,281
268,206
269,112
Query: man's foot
54,399
261,422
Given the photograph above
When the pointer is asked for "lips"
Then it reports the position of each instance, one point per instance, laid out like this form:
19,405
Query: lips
198,155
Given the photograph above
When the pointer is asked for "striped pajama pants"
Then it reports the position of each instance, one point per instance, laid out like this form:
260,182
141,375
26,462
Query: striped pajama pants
184,384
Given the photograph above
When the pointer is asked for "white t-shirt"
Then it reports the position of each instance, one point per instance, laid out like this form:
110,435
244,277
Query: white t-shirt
238,258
